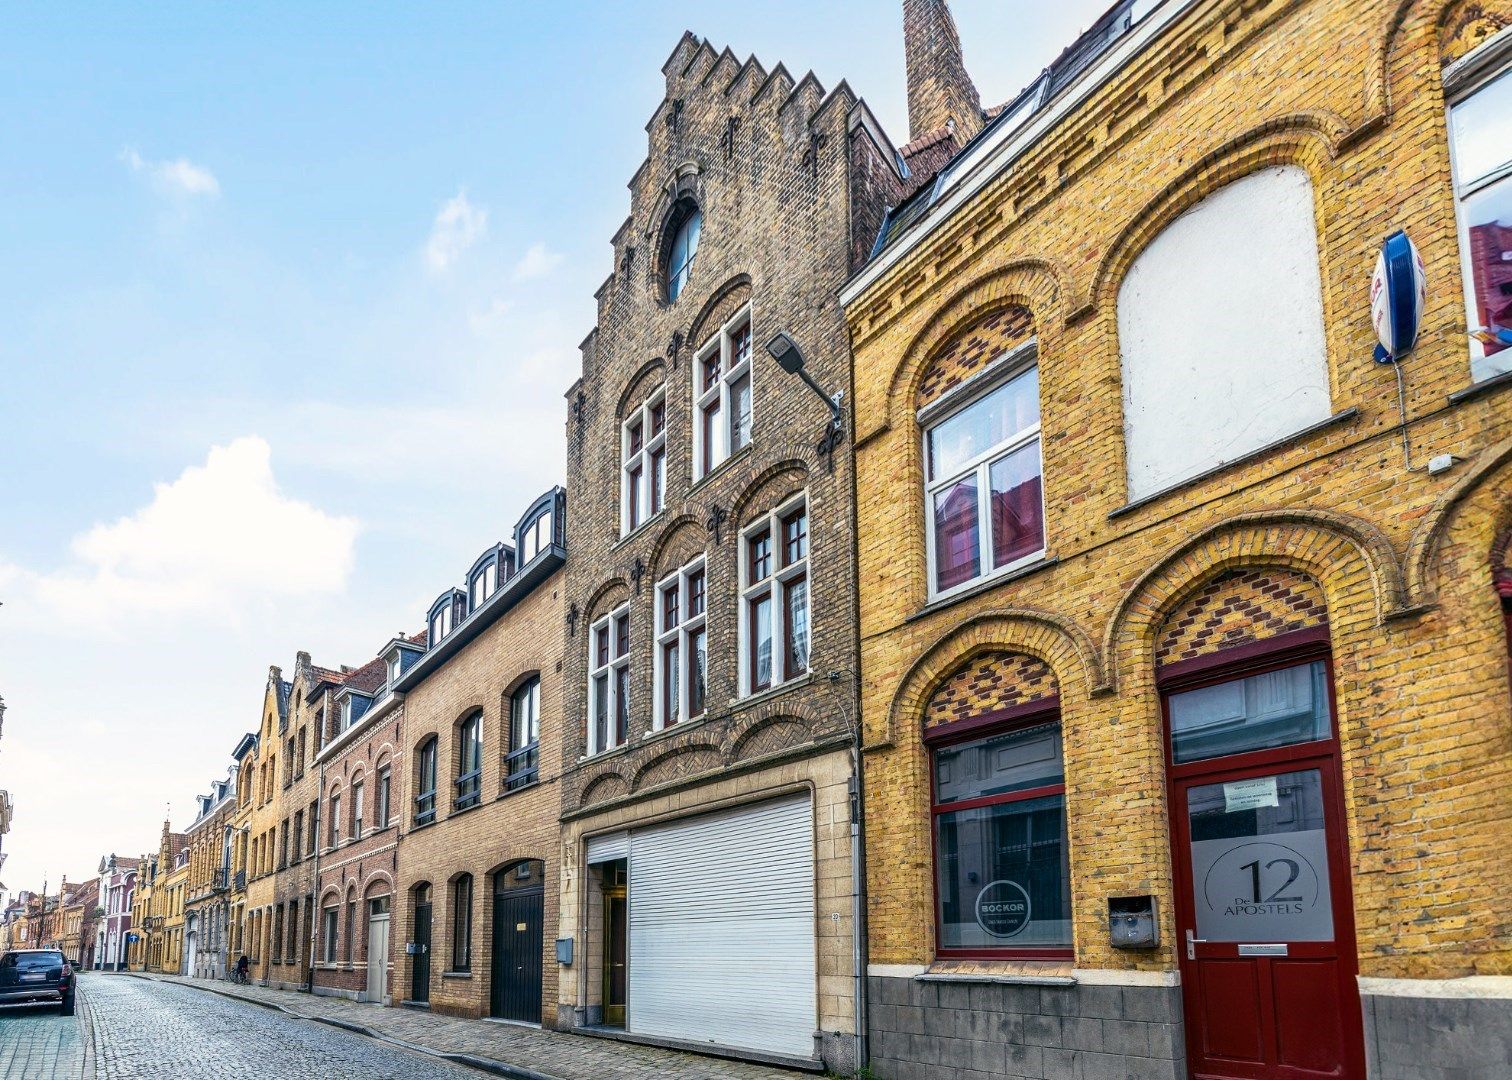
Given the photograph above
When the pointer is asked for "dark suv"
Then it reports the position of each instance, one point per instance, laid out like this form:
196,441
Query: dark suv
28,975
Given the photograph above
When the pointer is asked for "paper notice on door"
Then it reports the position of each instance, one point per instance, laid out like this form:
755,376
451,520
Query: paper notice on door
1249,794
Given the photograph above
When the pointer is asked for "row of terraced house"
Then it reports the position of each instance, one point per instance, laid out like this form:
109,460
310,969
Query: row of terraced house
1006,617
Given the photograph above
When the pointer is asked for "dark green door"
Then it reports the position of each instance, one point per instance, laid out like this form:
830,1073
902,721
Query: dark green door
420,983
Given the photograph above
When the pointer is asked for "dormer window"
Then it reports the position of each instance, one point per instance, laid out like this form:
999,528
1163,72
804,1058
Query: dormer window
346,713
682,246
534,536
393,668
484,583
441,624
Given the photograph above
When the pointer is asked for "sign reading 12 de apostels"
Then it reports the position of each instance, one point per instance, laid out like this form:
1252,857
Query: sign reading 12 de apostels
1002,908
1262,888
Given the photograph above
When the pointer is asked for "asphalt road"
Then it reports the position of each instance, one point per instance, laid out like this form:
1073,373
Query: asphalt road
127,1028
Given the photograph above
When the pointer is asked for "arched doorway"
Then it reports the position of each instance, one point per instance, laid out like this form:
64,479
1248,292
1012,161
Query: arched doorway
519,898
191,947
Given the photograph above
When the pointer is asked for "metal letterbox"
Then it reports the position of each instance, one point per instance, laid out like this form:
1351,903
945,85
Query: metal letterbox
1132,923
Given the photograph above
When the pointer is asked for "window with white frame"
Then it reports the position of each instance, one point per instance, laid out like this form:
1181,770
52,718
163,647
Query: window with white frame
335,837
774,594
1480,137
393,668
722,395
681,645
609,681
983,503
357,810
643,476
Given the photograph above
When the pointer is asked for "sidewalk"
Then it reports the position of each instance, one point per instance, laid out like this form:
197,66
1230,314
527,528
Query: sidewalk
504,1049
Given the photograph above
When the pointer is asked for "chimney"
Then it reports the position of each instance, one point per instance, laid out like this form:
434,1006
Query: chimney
939,90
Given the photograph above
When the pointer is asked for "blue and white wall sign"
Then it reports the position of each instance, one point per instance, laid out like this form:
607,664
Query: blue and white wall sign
1397,290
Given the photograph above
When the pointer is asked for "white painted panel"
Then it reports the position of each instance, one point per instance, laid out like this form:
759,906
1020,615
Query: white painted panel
722,929
1220,331
378,950
608,848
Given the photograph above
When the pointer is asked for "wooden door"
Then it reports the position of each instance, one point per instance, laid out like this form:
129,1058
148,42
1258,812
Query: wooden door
519,918
377,957
1264,915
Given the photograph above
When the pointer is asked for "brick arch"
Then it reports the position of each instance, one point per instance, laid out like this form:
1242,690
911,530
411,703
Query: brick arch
1035,284
1056,640
604,786
768,488
764,736
1457,27
974,349
1351,559
671,547
609,595
1237,607
1308,140
640,386
375,878
719,308
1491,472
990,681
677,762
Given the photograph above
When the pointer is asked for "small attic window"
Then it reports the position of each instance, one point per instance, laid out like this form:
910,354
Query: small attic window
393,668
683,230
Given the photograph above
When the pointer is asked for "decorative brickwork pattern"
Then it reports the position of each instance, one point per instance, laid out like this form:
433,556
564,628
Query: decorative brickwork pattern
975,349
1469,27
1239,607
993,681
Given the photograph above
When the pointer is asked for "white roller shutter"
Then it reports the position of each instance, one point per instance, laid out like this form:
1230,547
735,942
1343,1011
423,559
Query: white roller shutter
608,848
722,929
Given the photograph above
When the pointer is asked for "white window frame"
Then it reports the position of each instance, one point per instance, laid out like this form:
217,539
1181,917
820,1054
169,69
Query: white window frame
615,662
680,634
777,581
346,712
730,372
357,810
642,459
1017,361
1463,80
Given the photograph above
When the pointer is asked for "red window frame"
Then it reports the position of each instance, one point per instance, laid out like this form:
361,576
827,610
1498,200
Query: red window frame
997,722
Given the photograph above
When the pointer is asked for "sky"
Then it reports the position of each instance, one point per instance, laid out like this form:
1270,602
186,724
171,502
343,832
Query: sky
290,295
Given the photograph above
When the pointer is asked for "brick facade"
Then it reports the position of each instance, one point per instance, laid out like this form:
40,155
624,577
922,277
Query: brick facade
781,171
1326,530
507,828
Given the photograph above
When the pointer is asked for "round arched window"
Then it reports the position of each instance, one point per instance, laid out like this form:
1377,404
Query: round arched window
683,246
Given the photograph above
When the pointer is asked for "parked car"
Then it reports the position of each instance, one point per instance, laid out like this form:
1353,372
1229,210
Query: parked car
31,975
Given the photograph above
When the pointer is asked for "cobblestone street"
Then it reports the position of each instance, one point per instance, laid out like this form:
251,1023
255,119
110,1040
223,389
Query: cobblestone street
131,1027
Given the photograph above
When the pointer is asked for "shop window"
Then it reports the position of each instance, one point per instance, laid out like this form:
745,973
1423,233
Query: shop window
1480,137
469,761
425,783
1223,354
609,681
1002,872
461,924
984,499
523,764
643,474
681,645
774,609
1262,711
722,395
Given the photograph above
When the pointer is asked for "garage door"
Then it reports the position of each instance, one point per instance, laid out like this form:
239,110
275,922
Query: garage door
722,929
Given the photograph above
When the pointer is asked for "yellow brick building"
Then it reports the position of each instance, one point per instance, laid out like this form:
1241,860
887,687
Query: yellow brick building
260,822
1125,461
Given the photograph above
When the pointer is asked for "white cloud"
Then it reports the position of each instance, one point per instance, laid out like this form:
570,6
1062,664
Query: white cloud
458,225
537,262
178,177
220,536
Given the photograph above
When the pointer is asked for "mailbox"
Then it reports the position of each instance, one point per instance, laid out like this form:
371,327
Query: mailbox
1132,923
564,950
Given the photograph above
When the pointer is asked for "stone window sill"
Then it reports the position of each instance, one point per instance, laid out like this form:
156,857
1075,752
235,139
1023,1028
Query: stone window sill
985,585
1002,972
723,467
456,974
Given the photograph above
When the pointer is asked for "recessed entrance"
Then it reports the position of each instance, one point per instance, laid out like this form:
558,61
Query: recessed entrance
616,940
519,896
1264,918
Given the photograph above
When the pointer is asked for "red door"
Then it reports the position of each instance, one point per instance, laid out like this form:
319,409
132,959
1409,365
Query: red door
1263,914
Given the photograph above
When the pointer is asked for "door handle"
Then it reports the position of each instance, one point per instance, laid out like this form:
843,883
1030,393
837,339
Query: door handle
1192,943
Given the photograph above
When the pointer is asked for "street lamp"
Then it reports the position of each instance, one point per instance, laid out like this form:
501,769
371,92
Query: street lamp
789,357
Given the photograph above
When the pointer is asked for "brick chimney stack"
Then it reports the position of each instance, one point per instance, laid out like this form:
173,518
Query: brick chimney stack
939,90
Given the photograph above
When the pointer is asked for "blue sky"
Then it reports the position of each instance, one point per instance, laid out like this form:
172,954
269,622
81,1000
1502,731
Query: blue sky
291,294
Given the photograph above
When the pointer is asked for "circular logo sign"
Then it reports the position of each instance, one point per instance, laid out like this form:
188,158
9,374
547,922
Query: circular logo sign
1002,908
